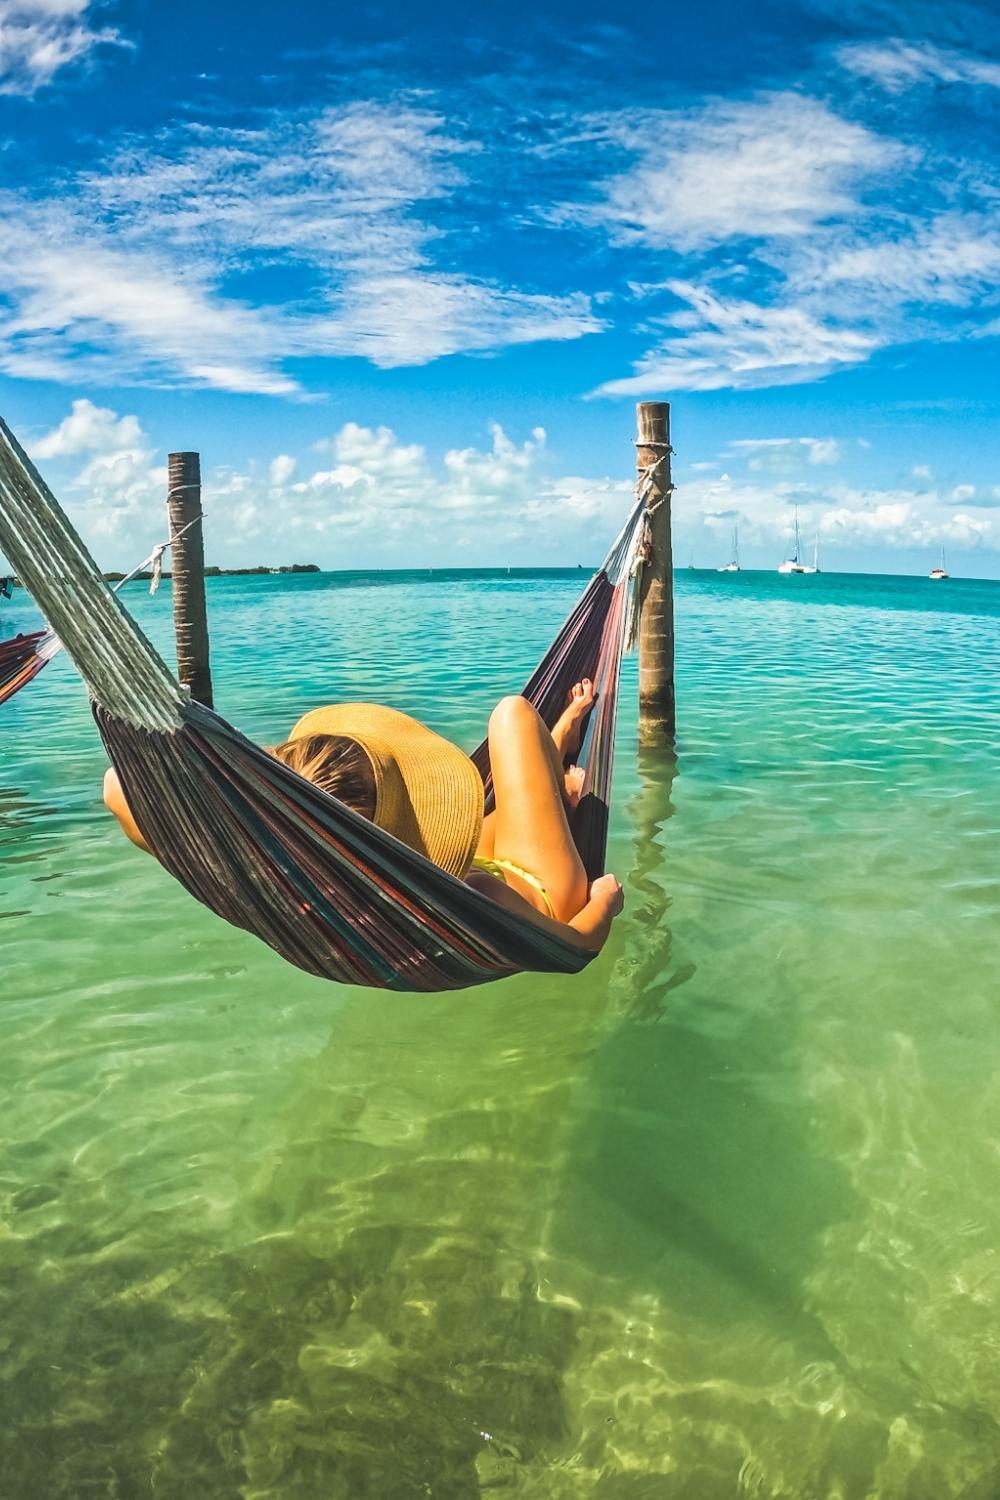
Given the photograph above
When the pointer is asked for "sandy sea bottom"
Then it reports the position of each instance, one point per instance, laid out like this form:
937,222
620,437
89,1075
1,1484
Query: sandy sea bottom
719,1218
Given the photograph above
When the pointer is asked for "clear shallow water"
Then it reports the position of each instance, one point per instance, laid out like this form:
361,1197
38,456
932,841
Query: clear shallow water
719,1218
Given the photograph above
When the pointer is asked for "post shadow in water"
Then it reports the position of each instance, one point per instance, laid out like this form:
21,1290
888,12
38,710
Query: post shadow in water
692,1171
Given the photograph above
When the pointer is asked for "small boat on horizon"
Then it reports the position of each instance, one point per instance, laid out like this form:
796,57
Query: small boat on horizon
938,573
794,564
734,565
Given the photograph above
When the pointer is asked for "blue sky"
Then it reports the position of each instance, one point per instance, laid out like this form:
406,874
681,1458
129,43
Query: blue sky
400,274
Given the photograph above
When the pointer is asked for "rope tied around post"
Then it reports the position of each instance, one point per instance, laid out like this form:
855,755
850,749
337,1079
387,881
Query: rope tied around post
644,551
155,558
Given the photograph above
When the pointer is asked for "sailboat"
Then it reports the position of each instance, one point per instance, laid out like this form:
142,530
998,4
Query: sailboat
814,566
938,573
792,564
734,565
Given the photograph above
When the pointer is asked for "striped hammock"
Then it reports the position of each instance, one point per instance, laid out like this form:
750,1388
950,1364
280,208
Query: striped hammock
264,848
21,659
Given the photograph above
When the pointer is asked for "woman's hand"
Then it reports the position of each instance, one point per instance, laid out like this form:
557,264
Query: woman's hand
594,923
606,891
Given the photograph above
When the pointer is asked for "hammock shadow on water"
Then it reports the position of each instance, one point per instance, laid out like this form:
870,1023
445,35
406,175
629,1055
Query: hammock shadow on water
386,1325
376,1318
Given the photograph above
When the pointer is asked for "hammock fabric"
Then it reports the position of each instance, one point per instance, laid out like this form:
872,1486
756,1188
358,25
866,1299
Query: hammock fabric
264,848
20,662
23,656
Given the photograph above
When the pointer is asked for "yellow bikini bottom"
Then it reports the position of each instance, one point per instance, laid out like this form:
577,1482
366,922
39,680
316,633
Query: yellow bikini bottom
501,868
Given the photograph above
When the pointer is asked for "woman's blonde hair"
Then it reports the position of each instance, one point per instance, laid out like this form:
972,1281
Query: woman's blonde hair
336,764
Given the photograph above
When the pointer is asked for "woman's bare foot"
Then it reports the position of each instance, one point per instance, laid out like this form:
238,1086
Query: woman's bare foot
573,781
568,730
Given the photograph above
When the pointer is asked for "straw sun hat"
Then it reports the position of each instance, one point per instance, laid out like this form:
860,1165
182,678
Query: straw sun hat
427,792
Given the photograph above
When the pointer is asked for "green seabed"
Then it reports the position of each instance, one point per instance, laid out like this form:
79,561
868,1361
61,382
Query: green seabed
717,1219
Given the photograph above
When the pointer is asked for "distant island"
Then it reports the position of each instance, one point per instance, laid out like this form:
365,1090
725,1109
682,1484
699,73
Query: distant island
209,573
227,572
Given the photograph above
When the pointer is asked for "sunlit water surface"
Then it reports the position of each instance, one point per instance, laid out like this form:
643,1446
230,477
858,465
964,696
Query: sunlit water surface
718,1218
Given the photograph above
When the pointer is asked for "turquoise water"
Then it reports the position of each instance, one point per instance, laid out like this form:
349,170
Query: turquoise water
719,1218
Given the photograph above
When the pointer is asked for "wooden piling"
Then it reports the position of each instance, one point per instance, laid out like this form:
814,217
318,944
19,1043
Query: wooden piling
657,717
187,565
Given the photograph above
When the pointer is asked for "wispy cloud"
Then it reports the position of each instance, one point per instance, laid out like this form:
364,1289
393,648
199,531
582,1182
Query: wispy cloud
784,452
899,65
80,305
770,238
777,165
150,288
41,38
724,342
808,239
953,259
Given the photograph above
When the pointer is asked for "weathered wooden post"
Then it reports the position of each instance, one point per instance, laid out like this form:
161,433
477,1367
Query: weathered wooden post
657,716
187,565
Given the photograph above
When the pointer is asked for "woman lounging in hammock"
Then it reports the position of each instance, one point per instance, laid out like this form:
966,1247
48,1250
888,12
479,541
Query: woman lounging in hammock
424,790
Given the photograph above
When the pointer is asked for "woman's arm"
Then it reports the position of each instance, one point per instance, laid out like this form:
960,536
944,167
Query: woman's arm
114,801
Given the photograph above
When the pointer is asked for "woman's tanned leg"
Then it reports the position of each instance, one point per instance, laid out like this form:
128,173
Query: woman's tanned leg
530,826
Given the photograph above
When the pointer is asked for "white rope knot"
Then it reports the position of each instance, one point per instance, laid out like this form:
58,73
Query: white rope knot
155,560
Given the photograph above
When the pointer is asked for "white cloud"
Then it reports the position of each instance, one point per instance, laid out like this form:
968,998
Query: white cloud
339,192
899,65
900,523
839,240
332,188
382,500
739,344
845,517
120,493
70,292
282,469
40,38
773,166
786,452
951,259
147,287
90,429
388,500
411,318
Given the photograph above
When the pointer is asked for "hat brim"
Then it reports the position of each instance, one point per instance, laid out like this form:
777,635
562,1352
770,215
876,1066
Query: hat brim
427,791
